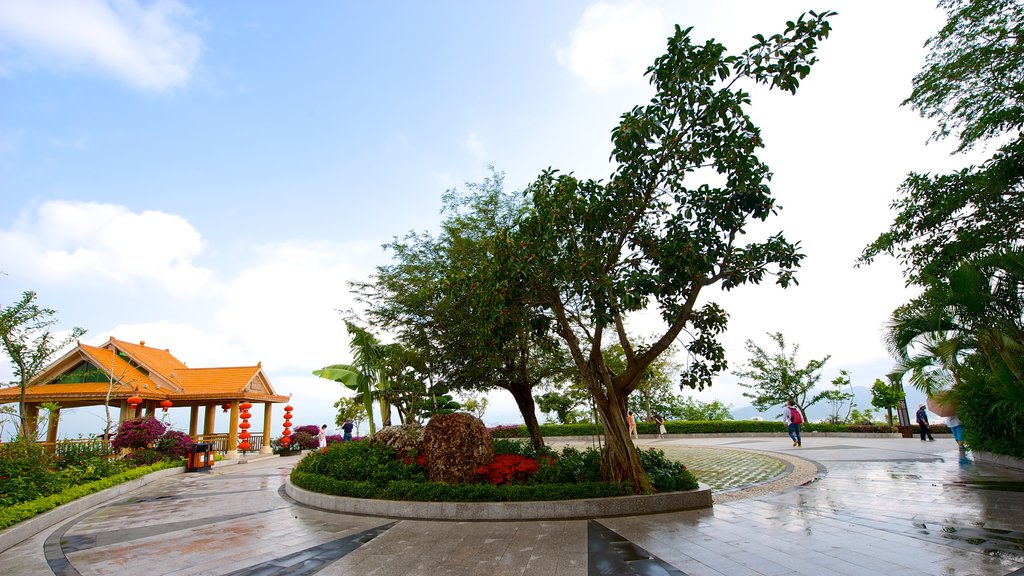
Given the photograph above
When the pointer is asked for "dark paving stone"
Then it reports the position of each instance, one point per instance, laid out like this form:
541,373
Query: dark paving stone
312,560
609,554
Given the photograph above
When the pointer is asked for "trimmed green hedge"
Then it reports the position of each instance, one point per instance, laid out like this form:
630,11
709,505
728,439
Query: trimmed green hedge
694,427
11,515
413,491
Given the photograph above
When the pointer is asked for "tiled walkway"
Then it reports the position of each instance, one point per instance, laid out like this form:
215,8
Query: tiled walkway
887,506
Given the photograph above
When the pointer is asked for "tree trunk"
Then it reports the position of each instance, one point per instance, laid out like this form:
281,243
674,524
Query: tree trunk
524,400
619,461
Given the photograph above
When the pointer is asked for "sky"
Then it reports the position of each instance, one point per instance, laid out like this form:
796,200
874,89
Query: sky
208,177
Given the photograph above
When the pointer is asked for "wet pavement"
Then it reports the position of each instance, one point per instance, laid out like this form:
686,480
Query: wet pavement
870,505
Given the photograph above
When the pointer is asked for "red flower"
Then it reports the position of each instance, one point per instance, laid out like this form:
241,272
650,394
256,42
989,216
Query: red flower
507,468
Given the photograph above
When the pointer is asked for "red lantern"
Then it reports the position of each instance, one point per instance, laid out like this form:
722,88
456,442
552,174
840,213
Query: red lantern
244,415
134,401
285,440
165,404
226,407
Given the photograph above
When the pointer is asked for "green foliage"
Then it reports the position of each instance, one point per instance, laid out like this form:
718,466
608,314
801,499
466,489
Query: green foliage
11,515
360,461
666,475
25,333
886,396
774,378
991,410
569,407
699,427
366,470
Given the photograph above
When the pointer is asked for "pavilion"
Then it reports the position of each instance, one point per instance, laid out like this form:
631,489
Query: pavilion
118,371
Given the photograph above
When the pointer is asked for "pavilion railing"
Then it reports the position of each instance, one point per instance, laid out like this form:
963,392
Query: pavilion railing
65,447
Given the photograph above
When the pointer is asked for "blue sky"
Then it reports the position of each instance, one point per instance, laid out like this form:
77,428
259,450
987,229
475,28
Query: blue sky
208,176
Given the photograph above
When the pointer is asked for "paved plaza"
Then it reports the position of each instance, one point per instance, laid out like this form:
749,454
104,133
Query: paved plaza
851,506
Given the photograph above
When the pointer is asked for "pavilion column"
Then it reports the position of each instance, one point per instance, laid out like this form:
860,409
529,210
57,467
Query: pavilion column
150,408
268,409
31,421
124,411
193,422
232,452
51,430
211,419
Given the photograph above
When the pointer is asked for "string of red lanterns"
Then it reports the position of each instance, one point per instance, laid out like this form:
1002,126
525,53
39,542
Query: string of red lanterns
285,440
244,434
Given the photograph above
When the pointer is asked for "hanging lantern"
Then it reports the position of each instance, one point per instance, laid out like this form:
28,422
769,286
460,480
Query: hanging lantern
244,415
285,440
226,407
165,404
134,401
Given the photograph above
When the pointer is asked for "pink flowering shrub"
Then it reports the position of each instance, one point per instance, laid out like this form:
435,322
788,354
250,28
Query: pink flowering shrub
137,433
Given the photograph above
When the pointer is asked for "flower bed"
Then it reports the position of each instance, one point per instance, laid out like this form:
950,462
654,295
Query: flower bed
367,470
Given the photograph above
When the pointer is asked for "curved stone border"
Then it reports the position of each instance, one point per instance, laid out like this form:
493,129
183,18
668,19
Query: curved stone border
476,511
998,460
799,472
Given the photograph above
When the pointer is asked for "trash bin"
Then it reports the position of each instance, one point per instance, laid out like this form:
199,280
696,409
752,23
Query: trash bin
200,457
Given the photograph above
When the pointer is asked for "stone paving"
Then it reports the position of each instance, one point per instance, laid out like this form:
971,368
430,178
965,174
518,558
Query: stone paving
898,506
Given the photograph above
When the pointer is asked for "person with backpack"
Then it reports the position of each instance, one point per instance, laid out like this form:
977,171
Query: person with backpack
793,419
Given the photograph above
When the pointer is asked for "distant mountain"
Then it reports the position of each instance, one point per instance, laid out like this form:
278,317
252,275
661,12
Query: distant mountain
821,410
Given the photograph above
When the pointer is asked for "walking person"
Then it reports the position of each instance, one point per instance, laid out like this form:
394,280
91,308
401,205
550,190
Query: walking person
632,426
956,429
922,422
322,436
661,425
793,418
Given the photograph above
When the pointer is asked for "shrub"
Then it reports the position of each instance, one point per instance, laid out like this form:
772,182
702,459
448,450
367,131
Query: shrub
666,475
303,440
138,433
11,515
174,444
143,457
27,471
509,468
362,462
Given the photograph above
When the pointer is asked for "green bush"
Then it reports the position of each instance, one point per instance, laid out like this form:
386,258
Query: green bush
365,470
666,475
11,515
361,461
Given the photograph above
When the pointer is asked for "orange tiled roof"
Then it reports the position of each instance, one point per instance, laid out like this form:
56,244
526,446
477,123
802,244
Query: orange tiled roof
168,378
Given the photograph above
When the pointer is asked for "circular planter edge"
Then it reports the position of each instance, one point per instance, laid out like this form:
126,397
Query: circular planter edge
497,511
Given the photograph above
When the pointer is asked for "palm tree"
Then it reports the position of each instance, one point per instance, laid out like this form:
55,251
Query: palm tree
364,374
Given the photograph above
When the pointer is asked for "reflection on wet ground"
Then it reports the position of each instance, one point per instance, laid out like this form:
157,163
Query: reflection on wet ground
888,506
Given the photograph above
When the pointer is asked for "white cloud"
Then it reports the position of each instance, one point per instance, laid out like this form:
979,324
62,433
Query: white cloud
474,145
90,242
614,44
287,305
148,47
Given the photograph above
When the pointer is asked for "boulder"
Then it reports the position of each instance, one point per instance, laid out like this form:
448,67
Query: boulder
406,439
455,445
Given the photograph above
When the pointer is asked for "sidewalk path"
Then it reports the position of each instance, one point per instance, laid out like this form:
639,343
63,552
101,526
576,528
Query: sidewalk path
892,506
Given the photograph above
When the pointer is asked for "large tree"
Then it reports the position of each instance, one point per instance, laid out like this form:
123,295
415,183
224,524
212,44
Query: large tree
451,298
666,225
28,340
971,85
774,377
